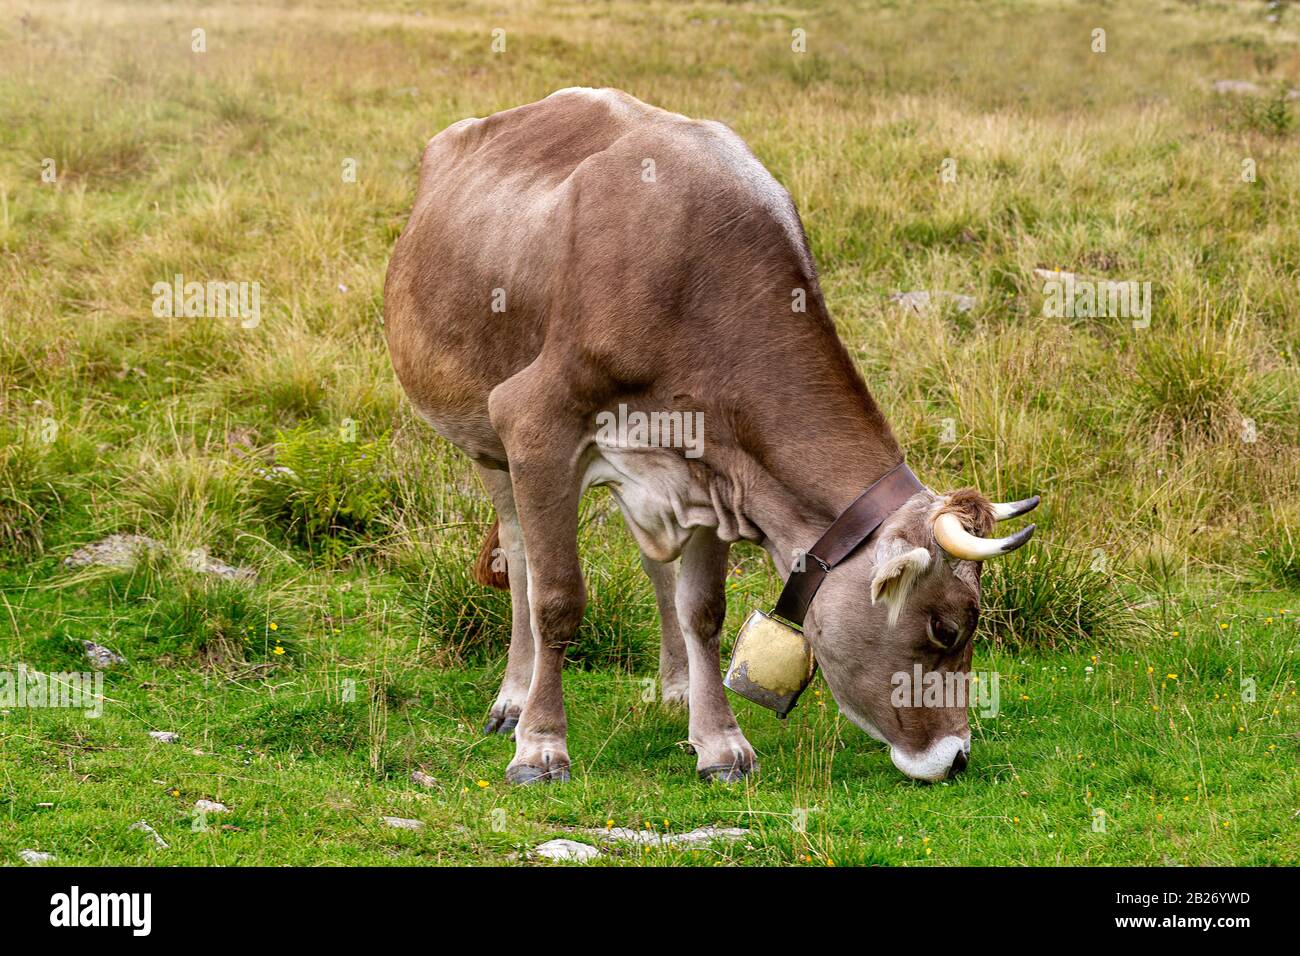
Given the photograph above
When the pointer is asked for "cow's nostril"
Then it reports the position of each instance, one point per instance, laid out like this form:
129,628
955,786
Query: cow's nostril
958,764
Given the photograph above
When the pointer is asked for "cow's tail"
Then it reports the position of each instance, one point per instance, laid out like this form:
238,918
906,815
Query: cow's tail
489,559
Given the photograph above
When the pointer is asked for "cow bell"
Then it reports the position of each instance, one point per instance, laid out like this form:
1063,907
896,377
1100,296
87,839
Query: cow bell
771,663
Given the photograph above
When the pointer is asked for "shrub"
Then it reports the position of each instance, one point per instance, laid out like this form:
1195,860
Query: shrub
1192,380
471,621
325,491
1269,114
29,490
225,625
191,498
1278,560
1048,597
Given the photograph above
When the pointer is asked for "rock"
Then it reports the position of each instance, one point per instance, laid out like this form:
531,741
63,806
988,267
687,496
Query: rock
123,550
653,838
198,560
165,736
143,827
1235,86
115,551
402,823
210,806
420,778
1246,88
101,657
922,301
566,850
35,857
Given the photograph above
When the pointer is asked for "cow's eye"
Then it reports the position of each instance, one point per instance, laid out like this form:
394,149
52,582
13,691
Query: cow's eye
942,634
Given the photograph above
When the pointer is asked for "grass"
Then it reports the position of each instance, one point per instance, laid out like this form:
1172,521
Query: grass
308,763
364,651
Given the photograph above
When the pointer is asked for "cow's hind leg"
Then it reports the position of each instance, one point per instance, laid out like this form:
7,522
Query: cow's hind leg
673,662
541,437
722,752
504,715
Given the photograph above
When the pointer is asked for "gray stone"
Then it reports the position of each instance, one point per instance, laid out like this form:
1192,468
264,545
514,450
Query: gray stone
402,823
566,850
165,736
653,838
1247,88
143,827
123,551
115,551
101,657
35,857
1235,86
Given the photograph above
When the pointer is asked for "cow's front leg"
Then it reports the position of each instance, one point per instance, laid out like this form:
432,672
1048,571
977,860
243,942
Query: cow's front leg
504,715
673,662
722,752
542,438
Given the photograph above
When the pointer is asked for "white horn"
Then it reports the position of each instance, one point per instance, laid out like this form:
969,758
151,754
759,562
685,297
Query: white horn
960,543
1002,510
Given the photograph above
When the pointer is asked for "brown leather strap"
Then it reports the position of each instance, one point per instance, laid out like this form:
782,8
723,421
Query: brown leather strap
857,523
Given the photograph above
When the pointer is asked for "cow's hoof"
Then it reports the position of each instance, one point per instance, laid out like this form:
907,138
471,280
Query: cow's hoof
729,773
726,757
502,721
501,725
523,774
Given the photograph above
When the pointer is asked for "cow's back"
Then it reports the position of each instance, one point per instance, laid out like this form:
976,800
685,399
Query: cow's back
588,217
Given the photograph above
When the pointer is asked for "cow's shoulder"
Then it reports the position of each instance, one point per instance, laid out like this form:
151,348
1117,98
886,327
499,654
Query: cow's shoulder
751,183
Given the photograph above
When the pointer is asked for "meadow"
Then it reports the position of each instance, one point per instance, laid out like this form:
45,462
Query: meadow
1145,641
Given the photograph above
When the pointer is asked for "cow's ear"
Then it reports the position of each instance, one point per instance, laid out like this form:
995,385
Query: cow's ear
895,577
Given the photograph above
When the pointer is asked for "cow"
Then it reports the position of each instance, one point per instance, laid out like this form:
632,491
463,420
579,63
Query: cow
588,253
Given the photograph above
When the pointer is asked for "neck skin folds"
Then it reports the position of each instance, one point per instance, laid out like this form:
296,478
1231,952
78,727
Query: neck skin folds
793,487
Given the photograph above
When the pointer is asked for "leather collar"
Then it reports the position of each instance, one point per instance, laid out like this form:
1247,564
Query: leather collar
854,526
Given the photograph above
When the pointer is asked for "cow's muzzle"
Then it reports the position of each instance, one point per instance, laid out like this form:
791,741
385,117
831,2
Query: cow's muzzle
944,758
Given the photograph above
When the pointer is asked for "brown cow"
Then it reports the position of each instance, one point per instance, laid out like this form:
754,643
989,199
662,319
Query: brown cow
588,256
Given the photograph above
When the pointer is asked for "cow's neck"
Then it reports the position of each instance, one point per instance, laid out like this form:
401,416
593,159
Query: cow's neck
808,448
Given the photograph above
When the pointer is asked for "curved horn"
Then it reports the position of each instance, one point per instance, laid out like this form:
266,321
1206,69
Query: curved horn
1002,510
960,543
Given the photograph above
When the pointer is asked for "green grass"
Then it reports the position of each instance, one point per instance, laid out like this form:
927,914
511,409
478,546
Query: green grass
1165,456
1184,770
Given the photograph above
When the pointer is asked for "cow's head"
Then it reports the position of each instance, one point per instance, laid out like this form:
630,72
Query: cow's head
911,597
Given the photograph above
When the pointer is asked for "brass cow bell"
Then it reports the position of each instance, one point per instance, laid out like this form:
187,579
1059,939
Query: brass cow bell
771,663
